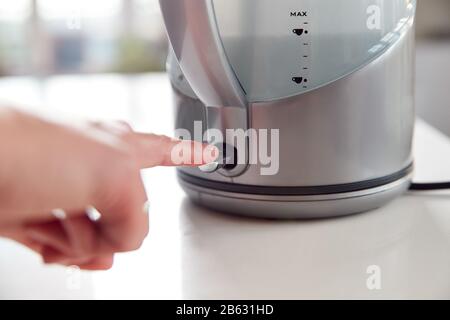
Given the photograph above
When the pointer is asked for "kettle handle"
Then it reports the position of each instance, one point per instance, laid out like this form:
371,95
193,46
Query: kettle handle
194,36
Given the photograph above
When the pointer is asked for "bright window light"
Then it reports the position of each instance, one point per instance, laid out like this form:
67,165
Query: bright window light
148,7
90,9
14,10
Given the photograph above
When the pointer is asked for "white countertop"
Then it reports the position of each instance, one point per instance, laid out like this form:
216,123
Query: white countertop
196,253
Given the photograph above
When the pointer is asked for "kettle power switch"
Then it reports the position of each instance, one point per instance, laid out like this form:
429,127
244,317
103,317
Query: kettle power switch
227,160
210,167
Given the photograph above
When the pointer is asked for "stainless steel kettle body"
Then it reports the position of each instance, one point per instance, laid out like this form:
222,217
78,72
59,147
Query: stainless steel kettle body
345,141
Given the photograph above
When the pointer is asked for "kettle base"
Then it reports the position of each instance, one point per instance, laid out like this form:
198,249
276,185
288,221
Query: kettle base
296,207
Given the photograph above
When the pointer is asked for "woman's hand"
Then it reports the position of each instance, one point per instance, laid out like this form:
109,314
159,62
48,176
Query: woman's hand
52,174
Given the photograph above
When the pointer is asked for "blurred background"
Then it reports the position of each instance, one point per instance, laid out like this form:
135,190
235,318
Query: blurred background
47,37
43,37
433,63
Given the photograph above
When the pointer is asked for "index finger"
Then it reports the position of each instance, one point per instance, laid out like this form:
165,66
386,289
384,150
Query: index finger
158,150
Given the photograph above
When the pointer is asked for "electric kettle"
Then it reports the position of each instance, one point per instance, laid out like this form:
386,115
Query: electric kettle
326,85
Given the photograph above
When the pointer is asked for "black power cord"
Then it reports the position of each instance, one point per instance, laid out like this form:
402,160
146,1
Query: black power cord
430,186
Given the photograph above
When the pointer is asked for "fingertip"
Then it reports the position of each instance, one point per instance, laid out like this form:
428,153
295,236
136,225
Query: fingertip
160,150
210,153
195,154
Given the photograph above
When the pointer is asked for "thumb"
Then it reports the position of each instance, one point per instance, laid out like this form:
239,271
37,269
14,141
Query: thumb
158,150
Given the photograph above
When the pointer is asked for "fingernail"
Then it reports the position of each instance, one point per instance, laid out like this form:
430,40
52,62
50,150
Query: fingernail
93,214
210,154
146,207
59,214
